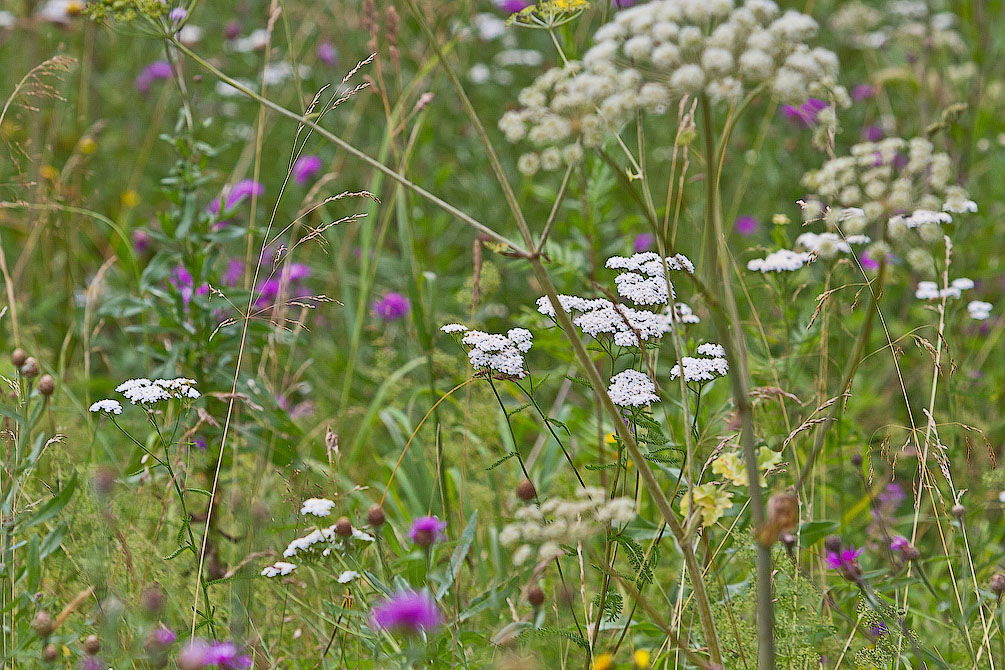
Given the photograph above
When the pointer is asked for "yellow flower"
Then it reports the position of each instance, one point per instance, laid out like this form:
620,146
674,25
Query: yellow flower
87,145
729,467
780,220
710,500
130,198
610,439
602,662
48,172
767,459
641,658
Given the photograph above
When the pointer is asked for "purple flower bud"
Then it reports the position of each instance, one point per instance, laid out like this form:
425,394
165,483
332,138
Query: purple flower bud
178,14
872,133
643,242
513,6
326,54
746,225
426,530
392,306
141,240
862,92
232,29
306,168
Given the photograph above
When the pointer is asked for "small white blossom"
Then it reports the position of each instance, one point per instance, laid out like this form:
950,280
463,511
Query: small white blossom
347,576
280,568
107,406
453,328
783,260
317,506
712,364
501,353
979,310
631,388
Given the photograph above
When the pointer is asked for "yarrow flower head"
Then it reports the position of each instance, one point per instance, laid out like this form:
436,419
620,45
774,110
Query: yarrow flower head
408,611
279,569
317,506
979,310
632,388
107,406
783,260
929,290
427,530
498,353
711,364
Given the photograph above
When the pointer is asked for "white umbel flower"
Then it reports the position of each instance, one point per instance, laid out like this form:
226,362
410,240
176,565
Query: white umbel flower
711,364
317,506
279,569
979,310
453,328
631,388
500,353
107,406
783,260
347,576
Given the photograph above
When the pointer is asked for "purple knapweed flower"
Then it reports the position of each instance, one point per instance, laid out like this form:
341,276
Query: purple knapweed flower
426,530
862,92
873,133
163,636
90,663
899,543
141,240
407,611
239,192
292,275
392,306
806,113
643,242
326,53
746,225
892,495
202,654
846,559
235,270
160,69
306,168
232,30
513,6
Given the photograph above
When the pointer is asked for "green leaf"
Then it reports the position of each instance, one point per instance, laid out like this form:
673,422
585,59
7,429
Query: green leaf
467,537
53,506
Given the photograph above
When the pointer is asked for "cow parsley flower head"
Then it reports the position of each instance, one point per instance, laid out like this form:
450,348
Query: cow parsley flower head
632,388
783,260
279,569
107,406
499,353
317,506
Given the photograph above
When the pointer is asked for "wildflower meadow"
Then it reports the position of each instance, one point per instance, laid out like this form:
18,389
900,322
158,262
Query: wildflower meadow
502,334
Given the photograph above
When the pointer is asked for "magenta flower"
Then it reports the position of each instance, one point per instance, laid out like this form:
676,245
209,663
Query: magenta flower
90,663
806,113
202,654
232,29
899,543
872,133
392,306
643,242
141,240
426,530
326,53
867,262
236,195
407,611
292,275
233,273
845,559
306,168
513,6
746,225
862,92
160,69
178,14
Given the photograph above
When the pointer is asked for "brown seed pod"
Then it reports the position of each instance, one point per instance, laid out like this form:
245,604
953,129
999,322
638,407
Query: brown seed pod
525,490
18,357
46,385
92,645
30,368
997,583
375,516
783,515
535,596
42,624
50,653
958,510
343,527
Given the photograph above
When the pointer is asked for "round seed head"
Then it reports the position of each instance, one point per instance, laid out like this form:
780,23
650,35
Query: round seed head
30,368
535,596
375,516
343,527
46,385
92,645
18,357
525,490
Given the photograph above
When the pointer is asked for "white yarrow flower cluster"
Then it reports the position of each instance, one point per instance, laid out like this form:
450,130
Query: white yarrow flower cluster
979,310
146,392
906,23
644,279
632,388
929,290
710,364
650,55
823,245
323,537
107,406
492,351
563,522
783,260
279,569
317,506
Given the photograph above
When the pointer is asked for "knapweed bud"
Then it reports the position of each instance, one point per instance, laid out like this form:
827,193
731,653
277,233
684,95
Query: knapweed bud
833,543
92,645
910,553
535,596
50,653
42,624
46,385
789,541
152,600
18,357
856,460
375,516
343,527
958,510
525,490
30,368
997,584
